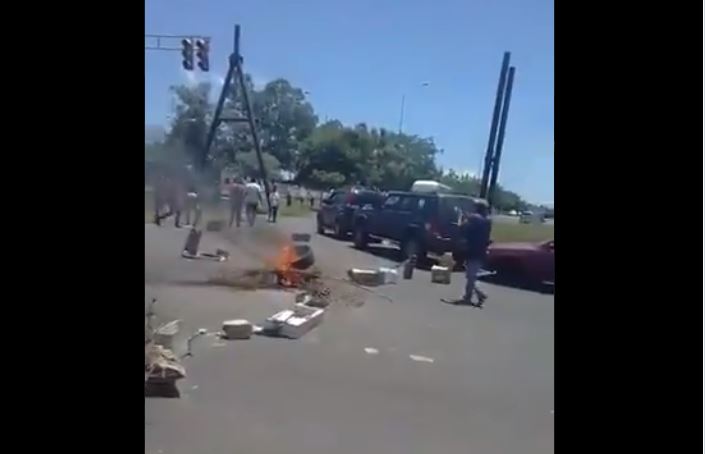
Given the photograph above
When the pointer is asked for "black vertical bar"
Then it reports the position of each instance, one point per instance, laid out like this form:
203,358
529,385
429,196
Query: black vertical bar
493,126
216,116
500,135
250,117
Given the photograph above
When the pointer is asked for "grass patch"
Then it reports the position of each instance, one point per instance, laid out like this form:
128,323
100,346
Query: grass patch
505,232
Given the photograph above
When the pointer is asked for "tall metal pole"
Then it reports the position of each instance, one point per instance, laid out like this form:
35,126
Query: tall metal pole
493,126
401,115
500,136
250,117
216,116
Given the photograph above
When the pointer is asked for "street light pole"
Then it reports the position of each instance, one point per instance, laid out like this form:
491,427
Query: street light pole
403,102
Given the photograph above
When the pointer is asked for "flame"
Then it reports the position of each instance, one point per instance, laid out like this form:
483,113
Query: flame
282,265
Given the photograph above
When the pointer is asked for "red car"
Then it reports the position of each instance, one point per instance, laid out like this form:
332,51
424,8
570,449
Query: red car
531,263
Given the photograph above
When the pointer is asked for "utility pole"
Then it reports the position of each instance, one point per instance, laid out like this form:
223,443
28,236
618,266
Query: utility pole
235,70
500,136
493,127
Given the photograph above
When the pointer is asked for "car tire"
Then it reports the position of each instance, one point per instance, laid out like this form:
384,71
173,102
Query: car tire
319,226
360,238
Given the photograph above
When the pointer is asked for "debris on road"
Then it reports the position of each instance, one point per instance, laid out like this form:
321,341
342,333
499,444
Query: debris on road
301,237
190,250
162,370
215,225
293,323
422,359
371,351
440,274
409,266
193,240
366,277
237,329
164,335
389,275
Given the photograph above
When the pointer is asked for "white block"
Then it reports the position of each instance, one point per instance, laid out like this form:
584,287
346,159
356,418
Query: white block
276,320
389,275
303,320
366,277
237,329
440,274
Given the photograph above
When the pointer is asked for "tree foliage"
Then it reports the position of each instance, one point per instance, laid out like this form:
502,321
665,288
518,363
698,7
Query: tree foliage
320,155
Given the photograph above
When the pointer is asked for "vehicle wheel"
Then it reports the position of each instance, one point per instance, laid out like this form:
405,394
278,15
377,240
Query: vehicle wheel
319,226
360,238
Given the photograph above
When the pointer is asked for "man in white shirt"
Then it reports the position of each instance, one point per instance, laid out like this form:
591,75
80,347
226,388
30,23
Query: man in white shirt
253,196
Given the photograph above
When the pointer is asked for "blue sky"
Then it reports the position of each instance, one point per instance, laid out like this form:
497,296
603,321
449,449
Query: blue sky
357,59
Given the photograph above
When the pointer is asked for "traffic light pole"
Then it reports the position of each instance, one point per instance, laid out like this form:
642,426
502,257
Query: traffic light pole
235,70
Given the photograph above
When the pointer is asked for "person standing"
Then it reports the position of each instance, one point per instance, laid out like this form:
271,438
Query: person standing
237,197
274,204
253,196
476,230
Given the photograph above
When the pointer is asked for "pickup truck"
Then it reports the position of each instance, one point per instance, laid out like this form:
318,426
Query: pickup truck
420,223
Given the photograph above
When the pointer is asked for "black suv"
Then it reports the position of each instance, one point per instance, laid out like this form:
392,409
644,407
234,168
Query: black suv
419,222
338,209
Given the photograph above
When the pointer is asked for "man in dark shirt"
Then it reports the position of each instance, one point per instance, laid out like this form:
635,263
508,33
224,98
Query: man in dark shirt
476,231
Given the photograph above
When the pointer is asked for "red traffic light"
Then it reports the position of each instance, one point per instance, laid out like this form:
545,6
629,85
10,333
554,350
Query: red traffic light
202,48
187,54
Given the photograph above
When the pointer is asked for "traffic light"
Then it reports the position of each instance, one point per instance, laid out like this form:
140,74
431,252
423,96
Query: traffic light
202,54
187,53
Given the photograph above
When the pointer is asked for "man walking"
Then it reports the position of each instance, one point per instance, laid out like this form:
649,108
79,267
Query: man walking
237,197
476,231
253,196
274,204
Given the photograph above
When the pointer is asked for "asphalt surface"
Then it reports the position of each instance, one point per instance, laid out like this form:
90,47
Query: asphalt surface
413,375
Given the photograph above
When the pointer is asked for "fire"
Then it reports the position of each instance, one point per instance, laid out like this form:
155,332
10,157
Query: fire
282,265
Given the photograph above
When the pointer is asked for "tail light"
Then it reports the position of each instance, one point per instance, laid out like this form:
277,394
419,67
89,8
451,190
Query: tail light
350,199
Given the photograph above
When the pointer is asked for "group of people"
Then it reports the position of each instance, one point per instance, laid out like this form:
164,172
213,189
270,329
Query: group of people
249,196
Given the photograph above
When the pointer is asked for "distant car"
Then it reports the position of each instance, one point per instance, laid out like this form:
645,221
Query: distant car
531,263
338,209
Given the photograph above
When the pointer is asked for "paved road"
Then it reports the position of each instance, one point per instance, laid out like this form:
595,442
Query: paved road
480,381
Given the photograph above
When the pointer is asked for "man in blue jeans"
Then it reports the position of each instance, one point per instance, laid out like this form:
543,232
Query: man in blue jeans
476,230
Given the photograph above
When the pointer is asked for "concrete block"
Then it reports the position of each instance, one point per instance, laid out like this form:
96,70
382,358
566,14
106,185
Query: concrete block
366,277
440,274
303,320
237,329
275,322
389,275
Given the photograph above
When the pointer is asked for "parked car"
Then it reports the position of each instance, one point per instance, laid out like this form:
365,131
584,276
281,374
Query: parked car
338,209
530,263
419,222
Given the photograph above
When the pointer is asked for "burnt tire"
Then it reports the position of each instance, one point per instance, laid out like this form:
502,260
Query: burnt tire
304,257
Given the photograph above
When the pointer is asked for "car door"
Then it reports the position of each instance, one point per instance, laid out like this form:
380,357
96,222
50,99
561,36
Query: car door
331,206
382,222
406,215
546,262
